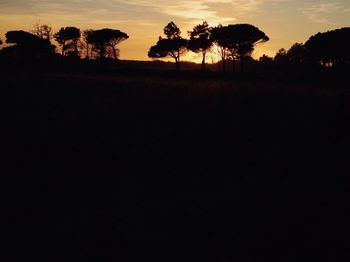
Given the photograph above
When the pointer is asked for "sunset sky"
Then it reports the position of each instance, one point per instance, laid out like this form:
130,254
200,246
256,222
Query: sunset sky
284,21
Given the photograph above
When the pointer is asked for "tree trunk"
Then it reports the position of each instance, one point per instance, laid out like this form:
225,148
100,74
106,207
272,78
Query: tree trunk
63,47
233,65
242,63
177,61
114,53
223,65
203,61
87,51
116,56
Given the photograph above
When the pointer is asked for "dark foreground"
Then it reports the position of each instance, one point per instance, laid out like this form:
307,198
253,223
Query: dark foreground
113,168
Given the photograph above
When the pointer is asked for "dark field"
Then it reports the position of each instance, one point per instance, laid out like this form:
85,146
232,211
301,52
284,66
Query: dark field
173,168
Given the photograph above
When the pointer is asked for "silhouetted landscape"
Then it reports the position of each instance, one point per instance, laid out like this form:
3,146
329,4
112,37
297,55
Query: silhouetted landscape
105,159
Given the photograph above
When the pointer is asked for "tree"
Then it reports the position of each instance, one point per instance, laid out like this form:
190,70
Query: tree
200,40
265,59
68,38
172,31
169,48
241,39
172,46
87,41
297,53
281,56
0,41
107,38
218,36
43,31
29,45
331,47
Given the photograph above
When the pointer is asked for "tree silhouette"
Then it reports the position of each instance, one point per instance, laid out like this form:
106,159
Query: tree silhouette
200,40
87,37
43,31
107,38
218,36
28,45
331,47
172,31
68,38
173,46
242,38
281,56
297,53
265,59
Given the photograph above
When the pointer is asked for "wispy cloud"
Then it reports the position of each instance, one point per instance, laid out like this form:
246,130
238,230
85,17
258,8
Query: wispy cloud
323,13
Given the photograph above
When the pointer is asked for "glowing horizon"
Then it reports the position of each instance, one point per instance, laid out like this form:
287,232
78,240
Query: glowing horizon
284,21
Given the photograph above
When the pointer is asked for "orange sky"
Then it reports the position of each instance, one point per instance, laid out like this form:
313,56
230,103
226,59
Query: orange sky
284,21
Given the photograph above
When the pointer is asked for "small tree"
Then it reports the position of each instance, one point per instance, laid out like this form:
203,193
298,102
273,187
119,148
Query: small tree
68,38
281,56
265,59
43,31
173,46
200,40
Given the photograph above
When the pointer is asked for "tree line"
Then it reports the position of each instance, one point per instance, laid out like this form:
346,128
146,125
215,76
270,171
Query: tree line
72,41
234,43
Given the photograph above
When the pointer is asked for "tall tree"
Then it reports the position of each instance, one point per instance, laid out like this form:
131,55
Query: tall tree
242,39
68,38
218,36
87,41
43,31
173,46
107,38
200,40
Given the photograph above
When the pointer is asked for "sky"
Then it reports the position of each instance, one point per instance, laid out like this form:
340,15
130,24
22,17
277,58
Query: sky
284,21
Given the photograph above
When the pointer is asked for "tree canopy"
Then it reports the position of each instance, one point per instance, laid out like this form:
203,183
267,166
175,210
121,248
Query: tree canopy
172,31
297,53
239,39
43,31
28,45
106,38
331,47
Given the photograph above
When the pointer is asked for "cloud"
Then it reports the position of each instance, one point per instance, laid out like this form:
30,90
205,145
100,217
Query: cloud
323,12
214,11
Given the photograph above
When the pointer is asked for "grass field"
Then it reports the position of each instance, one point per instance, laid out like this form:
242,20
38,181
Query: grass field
106,167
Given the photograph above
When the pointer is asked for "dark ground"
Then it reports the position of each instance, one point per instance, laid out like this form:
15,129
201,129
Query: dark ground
171,168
